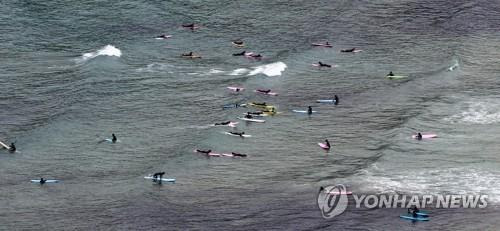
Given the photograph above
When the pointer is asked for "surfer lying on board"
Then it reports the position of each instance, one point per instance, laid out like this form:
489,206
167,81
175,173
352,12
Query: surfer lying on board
239,154
223,123
336,98
248,116
419,136
324,64
390,74
240,54
413,211
255,112
349,50
188,54
264,91
238,42
163,36
205,152
238,133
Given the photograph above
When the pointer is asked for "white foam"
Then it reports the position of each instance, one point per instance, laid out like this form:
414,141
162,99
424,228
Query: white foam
477,113
272,69
239,71
215,71
454,66
107,50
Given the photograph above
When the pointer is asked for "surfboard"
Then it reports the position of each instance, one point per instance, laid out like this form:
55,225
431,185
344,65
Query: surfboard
111,140
166,37
321,45
425,136
414,218
192,57
325,101
236,89
324,146
4,145
233,105
302,111
396,77
252,120
231,134
162,179
46,181
257,115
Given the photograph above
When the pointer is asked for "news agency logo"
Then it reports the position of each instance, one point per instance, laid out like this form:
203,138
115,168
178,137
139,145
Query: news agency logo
333,201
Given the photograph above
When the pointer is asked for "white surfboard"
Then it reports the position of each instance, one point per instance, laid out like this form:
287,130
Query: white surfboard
162,179
252,120
46,181
4,145
231,134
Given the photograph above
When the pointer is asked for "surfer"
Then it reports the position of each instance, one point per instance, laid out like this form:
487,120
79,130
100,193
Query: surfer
264,91
240,54
258,56
324,64
160,174
336,98
190,54
327,143
12,147
114,139
255,113
238,42
163,36
390,74
223,123
414,210
309,110
349,50
205,152
419,136
273,110
190,26
239,154
238,133
42,181
248,116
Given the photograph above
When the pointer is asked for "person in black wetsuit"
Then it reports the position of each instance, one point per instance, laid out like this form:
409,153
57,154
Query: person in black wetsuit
390,74
158,176
414,210
239,154
419,136
336,98
264,91
42,181
223,123
114,139
12,147
309,110
238,42
349,50
248,116
163,36
240,54
327,143
238,133
205,152
324,64
188,54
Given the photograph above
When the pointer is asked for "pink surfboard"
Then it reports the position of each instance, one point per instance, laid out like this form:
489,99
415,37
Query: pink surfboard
324,146
425,136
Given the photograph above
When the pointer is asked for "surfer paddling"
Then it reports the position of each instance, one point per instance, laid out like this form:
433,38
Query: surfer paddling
324,64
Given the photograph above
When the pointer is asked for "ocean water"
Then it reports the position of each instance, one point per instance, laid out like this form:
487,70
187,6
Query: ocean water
73,72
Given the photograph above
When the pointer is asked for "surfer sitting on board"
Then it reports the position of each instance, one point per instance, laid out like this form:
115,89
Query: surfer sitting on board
324,64
390,74
205,152
309,110
240,54
413,211
419,136
160,174
264,91
327,143
12,147
238,133
42,181
223,123
336,98
239,154
114,139
188,54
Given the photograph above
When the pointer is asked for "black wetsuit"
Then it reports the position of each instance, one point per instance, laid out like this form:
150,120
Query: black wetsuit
206,152
309,110
240,54
238,42
114,139
223,123
264,91
419,136
327,143
239,154
12,147
324,65
336,98
42,181
348,50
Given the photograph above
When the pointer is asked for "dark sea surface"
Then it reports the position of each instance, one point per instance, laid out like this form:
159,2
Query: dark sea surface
73,72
